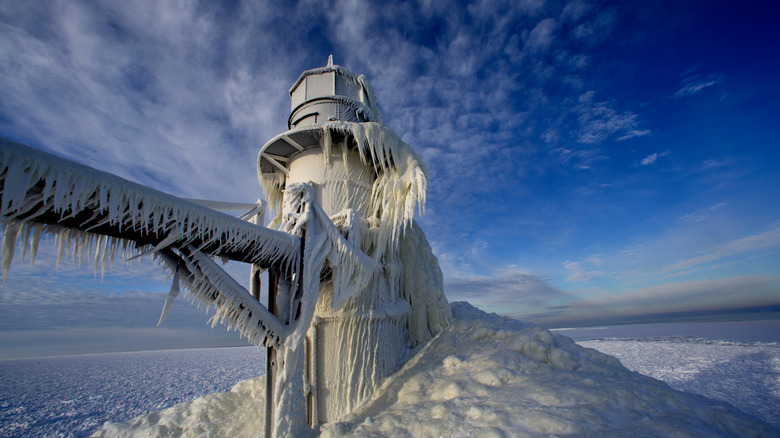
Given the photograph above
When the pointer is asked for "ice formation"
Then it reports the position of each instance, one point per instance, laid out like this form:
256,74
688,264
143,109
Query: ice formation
485,376
85,209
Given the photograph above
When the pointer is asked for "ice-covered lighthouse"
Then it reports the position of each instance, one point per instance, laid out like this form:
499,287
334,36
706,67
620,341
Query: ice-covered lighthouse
382,295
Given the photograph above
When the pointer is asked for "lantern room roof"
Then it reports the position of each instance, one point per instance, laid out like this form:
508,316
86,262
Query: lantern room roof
319,96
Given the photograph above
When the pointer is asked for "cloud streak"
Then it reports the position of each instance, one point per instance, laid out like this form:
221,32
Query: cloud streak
663,301
599,121
768,240
694,85
511,289
578,273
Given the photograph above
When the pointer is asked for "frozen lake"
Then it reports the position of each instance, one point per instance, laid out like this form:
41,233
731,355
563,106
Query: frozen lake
736,362
73,396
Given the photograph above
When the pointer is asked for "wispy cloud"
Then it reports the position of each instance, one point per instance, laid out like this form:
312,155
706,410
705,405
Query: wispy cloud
598,28
740,291
712,164
575,10
599,121
663,301
511,289
634,133
578,273
581,158
541,37
702,214
652,158
769,239
695,84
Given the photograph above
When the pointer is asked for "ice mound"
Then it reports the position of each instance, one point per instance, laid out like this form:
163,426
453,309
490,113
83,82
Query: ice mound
234,414
484,376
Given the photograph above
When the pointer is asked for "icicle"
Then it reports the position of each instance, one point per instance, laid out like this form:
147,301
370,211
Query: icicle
326,145
25,233
99,244
172,294
104,257
9,244
36,238
58,240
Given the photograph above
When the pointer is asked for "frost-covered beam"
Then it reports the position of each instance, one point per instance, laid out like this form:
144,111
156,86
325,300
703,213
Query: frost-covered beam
276,164
208,284
293,143
37,187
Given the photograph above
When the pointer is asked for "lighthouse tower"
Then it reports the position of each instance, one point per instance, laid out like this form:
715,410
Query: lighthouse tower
367,182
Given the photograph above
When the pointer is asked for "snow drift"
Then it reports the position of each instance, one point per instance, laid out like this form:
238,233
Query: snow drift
484,375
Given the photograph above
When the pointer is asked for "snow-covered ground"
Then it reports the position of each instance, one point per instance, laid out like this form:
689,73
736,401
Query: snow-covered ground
486,375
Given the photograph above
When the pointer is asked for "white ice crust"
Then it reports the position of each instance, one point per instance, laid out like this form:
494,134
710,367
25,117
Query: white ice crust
385,290
484,376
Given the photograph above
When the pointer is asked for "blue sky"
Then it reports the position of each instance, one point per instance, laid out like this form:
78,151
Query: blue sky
590,162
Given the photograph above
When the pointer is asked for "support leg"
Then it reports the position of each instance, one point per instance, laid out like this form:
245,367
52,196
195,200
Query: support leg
271,359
